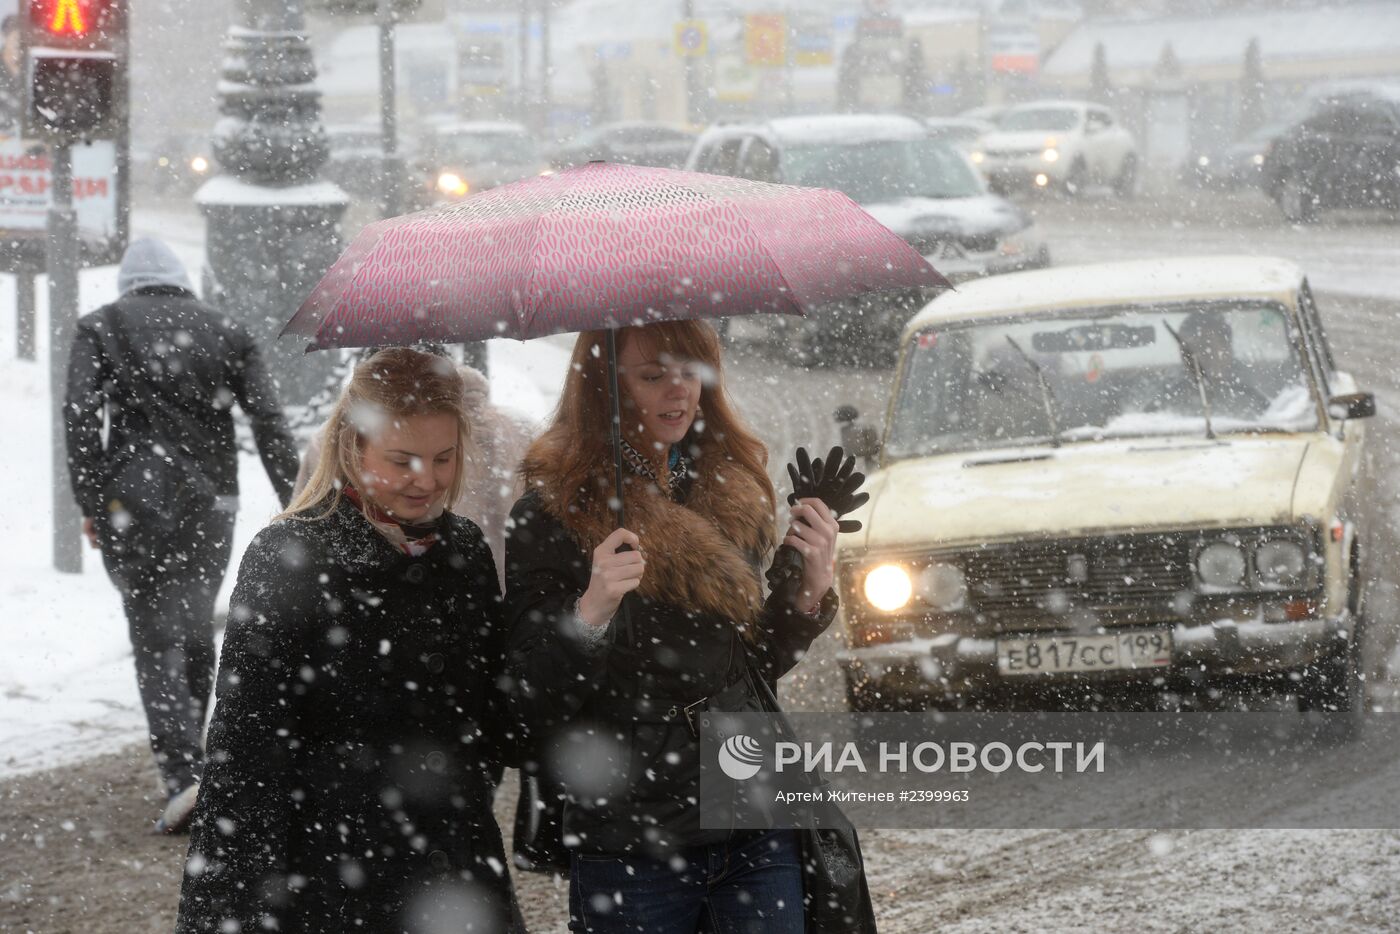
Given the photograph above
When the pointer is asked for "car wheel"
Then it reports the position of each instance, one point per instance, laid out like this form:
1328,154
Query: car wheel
1077,179
1296,201
1126,183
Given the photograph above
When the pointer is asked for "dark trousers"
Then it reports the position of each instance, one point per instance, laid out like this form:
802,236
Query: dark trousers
168,596
749,884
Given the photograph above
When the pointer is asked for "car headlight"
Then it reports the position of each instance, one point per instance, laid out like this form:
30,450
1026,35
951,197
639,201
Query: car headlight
1280,565
1051,154
888,587
1221,565
943,587
1258,158
977,156
199,165
450,183
1203,161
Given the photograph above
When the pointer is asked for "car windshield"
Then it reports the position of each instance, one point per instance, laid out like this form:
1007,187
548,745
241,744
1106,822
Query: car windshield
504,148
1040,118
1071,378
882,170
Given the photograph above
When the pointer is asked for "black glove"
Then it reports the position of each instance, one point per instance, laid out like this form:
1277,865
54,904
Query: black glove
834,482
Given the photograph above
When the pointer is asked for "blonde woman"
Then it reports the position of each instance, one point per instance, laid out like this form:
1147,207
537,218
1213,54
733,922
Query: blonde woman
353,751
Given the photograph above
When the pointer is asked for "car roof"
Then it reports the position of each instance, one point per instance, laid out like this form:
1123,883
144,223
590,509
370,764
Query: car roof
1051,102
1103,285
826,128
479,126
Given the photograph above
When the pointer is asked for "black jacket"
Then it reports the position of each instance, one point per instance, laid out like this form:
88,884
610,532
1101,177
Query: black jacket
168,371
633,784
355,744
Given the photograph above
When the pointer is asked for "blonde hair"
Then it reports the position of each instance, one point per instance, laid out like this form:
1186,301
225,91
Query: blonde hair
394,383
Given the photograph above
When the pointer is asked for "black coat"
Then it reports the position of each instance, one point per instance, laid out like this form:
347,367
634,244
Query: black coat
355,744
633,784
168,369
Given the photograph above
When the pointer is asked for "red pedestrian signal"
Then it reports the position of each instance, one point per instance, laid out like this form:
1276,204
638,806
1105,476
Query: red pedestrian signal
68,19
84,23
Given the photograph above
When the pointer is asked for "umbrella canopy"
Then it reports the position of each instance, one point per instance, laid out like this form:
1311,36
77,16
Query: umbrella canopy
603,245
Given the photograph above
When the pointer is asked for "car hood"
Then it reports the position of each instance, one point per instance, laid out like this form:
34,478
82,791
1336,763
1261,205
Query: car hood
1022,139
982,214
1081,489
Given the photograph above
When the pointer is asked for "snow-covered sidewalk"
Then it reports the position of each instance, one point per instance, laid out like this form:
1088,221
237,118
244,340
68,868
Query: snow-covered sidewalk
67,682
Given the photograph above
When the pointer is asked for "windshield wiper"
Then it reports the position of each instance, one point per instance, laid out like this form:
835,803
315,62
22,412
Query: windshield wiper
1198,376
1046,396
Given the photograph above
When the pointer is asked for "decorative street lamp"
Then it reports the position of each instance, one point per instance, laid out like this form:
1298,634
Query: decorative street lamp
272,228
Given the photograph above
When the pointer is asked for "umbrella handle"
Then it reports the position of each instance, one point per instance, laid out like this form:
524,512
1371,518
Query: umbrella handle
619,510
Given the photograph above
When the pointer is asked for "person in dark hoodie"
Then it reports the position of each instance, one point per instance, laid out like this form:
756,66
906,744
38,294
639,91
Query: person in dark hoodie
606,710
158,495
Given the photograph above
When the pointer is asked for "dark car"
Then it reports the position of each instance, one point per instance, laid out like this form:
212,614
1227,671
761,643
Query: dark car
1236,165
458,159
356,160
1345,155
634,143
178,165
920,187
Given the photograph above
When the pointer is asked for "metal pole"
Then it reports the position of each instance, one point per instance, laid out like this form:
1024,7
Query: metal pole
63,316
24,308
789,61
391,177
544,96
692,75
523,53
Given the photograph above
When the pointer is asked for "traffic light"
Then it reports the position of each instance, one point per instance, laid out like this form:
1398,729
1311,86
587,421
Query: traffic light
73,53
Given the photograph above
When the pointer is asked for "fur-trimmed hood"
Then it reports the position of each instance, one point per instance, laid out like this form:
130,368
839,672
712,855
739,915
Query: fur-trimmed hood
703,554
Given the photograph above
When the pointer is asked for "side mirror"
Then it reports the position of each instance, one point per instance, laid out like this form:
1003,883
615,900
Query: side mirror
858,440
1352,405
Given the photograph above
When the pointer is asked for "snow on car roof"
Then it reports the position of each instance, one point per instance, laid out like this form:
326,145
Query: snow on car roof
844,128
479,126
1105,284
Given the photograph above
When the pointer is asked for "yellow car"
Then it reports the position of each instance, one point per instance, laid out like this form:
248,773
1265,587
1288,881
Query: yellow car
1130,477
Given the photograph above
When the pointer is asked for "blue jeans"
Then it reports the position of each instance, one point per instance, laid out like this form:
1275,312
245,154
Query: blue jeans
749,884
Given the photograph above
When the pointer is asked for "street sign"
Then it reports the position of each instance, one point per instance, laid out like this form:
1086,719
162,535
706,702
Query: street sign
815,44
25,189
691,39
765,39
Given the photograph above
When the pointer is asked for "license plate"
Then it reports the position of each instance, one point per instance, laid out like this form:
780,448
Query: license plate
1060,654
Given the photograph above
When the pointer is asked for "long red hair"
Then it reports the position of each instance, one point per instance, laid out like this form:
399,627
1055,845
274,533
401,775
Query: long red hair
576,448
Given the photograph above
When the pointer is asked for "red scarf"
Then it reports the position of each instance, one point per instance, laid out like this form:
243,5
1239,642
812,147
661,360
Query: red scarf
415,543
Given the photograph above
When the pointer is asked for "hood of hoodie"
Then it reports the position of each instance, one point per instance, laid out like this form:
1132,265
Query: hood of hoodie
148,263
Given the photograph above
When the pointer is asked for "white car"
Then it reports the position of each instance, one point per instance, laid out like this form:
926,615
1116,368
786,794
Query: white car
1132,476
1060,144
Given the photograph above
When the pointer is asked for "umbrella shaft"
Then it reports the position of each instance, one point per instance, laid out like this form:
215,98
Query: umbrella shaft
615,431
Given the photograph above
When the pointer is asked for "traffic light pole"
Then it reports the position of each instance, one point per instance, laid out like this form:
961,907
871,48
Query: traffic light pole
63,260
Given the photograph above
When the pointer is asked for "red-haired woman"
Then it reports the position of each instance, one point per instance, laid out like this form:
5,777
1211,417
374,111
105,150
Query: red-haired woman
700,523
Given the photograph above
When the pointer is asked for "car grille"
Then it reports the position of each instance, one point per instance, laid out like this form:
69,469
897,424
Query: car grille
1121,574
1012,153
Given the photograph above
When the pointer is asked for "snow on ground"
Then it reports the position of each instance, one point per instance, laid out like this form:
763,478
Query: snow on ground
67,680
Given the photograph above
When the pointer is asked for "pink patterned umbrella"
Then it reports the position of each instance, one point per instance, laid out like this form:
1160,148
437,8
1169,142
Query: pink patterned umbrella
603,245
